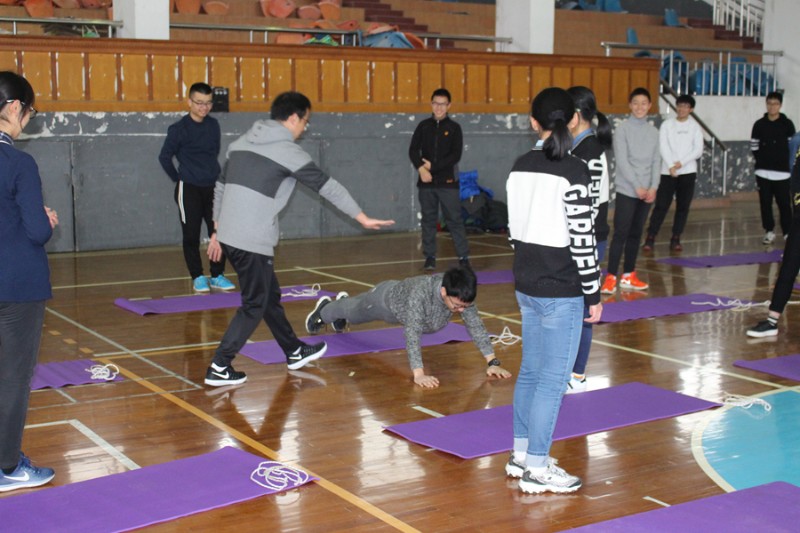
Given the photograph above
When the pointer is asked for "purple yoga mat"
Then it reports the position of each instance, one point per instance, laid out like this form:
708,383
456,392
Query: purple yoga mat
724,260
774,507
355,342
62,373
203,302
138,498
492,277
670,305
787,366
489,431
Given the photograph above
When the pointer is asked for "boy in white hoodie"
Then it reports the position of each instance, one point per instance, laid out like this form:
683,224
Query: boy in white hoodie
681,142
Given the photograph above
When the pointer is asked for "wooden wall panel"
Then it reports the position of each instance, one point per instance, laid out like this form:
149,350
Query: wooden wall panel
408,83
280,77
601,85
581,76
476,84
102,77
193,69
37,69
8,60
70,76
333,80
223,74
165,78
307,78
134,76
252,87
383,82
541,78
430,79
454,81
131,75
499,84
520,89
562,77
620,85
359,77
639,79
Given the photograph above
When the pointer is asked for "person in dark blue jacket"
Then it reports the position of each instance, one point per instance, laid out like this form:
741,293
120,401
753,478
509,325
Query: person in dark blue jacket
195,142
25,226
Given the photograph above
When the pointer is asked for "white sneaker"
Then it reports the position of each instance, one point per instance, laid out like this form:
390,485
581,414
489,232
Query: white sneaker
575,385
551,479
769,237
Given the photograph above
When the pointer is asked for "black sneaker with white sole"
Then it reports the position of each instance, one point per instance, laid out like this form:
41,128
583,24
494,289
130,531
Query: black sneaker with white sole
765,328
305,354
339,325
219,376
314,321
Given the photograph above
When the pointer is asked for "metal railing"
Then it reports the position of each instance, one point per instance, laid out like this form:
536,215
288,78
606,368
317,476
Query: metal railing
726,72
712,142
743,16
255,29
109,25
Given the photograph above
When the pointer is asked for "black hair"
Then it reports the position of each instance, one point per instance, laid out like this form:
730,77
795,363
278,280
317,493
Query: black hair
15,87
775,95
586,105
200,87
553,109
685,99
460,282
639,91
442,92
287,104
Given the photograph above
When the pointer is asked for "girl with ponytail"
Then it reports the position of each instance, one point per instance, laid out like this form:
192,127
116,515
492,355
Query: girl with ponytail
590,142
556,273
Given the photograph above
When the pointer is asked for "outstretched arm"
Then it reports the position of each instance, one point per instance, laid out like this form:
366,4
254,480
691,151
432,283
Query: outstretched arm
372,223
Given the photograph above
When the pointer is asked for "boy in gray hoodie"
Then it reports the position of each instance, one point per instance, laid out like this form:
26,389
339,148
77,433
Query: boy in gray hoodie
638,160
262,169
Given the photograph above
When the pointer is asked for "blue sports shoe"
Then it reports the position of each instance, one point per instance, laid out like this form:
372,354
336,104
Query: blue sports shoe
222,283
25,476
200,284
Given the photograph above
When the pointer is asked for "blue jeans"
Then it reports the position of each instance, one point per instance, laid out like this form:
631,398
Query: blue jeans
586,331
551,331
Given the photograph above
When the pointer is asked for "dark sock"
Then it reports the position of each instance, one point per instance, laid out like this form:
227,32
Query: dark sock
9,470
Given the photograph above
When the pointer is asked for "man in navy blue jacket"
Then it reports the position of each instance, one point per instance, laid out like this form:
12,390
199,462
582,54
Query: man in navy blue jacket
195,142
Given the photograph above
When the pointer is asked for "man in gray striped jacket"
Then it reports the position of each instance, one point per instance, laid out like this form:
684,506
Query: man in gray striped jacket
262,169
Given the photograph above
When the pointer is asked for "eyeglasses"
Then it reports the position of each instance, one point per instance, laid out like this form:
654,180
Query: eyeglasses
31,110
440,104
202,104
458,308
307,121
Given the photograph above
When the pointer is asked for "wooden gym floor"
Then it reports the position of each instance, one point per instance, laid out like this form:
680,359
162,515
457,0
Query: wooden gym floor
327,418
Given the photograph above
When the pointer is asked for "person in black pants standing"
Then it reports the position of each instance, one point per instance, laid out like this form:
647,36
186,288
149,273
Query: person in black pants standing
195,142
769,143
435,151
790,266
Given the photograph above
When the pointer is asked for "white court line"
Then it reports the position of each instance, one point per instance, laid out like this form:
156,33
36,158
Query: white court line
122,348
162,348
65,395
700,368
94,437
427,411
659,502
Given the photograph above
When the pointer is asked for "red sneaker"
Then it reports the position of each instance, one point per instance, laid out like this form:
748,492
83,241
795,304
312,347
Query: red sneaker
631,281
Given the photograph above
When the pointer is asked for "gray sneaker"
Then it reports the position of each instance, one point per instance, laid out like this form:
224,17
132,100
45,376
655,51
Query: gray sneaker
513,468
552,479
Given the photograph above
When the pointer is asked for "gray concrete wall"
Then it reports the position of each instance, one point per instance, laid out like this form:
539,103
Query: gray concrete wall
100,172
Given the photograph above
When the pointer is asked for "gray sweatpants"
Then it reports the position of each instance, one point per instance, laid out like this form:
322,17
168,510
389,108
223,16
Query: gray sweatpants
365,307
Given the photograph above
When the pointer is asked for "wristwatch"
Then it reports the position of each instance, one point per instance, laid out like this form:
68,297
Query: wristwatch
494,362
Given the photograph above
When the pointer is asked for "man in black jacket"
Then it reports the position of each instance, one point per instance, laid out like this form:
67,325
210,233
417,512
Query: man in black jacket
435,151
769,143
